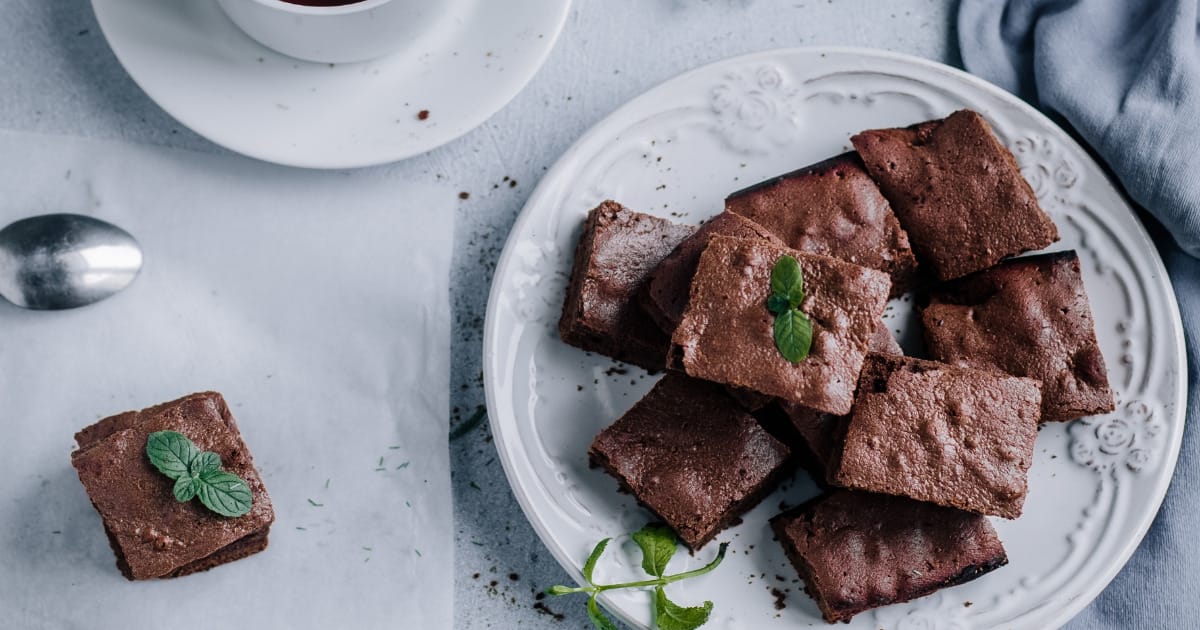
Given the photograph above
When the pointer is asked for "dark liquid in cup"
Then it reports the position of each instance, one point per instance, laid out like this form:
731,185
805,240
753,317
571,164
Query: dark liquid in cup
323,3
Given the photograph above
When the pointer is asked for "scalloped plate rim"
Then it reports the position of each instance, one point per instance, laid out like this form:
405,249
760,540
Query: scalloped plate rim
546,187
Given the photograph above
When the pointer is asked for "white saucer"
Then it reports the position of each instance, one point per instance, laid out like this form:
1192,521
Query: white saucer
214,79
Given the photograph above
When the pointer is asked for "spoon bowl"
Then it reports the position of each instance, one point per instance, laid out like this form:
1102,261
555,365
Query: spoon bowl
61,261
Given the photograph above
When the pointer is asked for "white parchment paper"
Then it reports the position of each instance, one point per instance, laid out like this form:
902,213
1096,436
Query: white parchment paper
317,303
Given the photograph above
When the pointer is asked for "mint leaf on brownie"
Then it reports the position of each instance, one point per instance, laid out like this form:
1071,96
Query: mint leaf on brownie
171,453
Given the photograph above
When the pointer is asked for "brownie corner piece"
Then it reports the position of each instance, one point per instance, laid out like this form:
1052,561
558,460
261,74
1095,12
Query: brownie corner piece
1030,317
958,437
832,208
958,192
613,259
690,454
856,551
668,288
151,533
726,333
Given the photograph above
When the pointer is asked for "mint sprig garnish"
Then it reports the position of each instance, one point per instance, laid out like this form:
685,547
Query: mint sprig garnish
198,474
792,329
658,545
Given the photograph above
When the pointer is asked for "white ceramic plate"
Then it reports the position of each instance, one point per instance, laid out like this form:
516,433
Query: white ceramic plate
676,151
223,85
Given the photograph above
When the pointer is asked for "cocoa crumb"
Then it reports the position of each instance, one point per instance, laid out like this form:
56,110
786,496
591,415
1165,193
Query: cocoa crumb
423,114
464,195
543,609
780,598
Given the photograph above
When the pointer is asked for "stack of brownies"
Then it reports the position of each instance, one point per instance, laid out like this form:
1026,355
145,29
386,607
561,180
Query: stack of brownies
914,452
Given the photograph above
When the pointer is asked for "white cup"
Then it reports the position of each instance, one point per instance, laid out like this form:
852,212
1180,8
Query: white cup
339,34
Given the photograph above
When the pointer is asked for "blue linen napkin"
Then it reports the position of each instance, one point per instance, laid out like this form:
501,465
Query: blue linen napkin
1125,74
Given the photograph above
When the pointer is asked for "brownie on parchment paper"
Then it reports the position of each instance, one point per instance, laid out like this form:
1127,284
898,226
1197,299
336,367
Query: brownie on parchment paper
954,436
1026,317
857,550
958,193
692,456
726,333
613,260
832,208
152,534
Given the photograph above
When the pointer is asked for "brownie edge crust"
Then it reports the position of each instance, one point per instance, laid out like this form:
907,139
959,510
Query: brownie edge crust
856,550
616,253
957,191
1026,317
692,456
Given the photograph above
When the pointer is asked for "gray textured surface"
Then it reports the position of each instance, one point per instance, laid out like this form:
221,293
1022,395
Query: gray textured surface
60,77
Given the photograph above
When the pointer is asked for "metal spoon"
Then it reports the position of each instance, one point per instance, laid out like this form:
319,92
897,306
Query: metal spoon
60,261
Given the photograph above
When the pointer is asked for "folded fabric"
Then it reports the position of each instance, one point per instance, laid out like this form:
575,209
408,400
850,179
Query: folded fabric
1126,76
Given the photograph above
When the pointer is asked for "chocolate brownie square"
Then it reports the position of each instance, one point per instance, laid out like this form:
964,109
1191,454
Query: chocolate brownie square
815,428
957,191
832,208
856,550
692,456
616,253
152,534
726,335
954,436
1026,317
667,291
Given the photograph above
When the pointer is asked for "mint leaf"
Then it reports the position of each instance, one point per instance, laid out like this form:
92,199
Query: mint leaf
590,565
224,493
170,452
792,328
598,619
793,335
203,463
778,304
658,545
787,281
185,489
671,616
